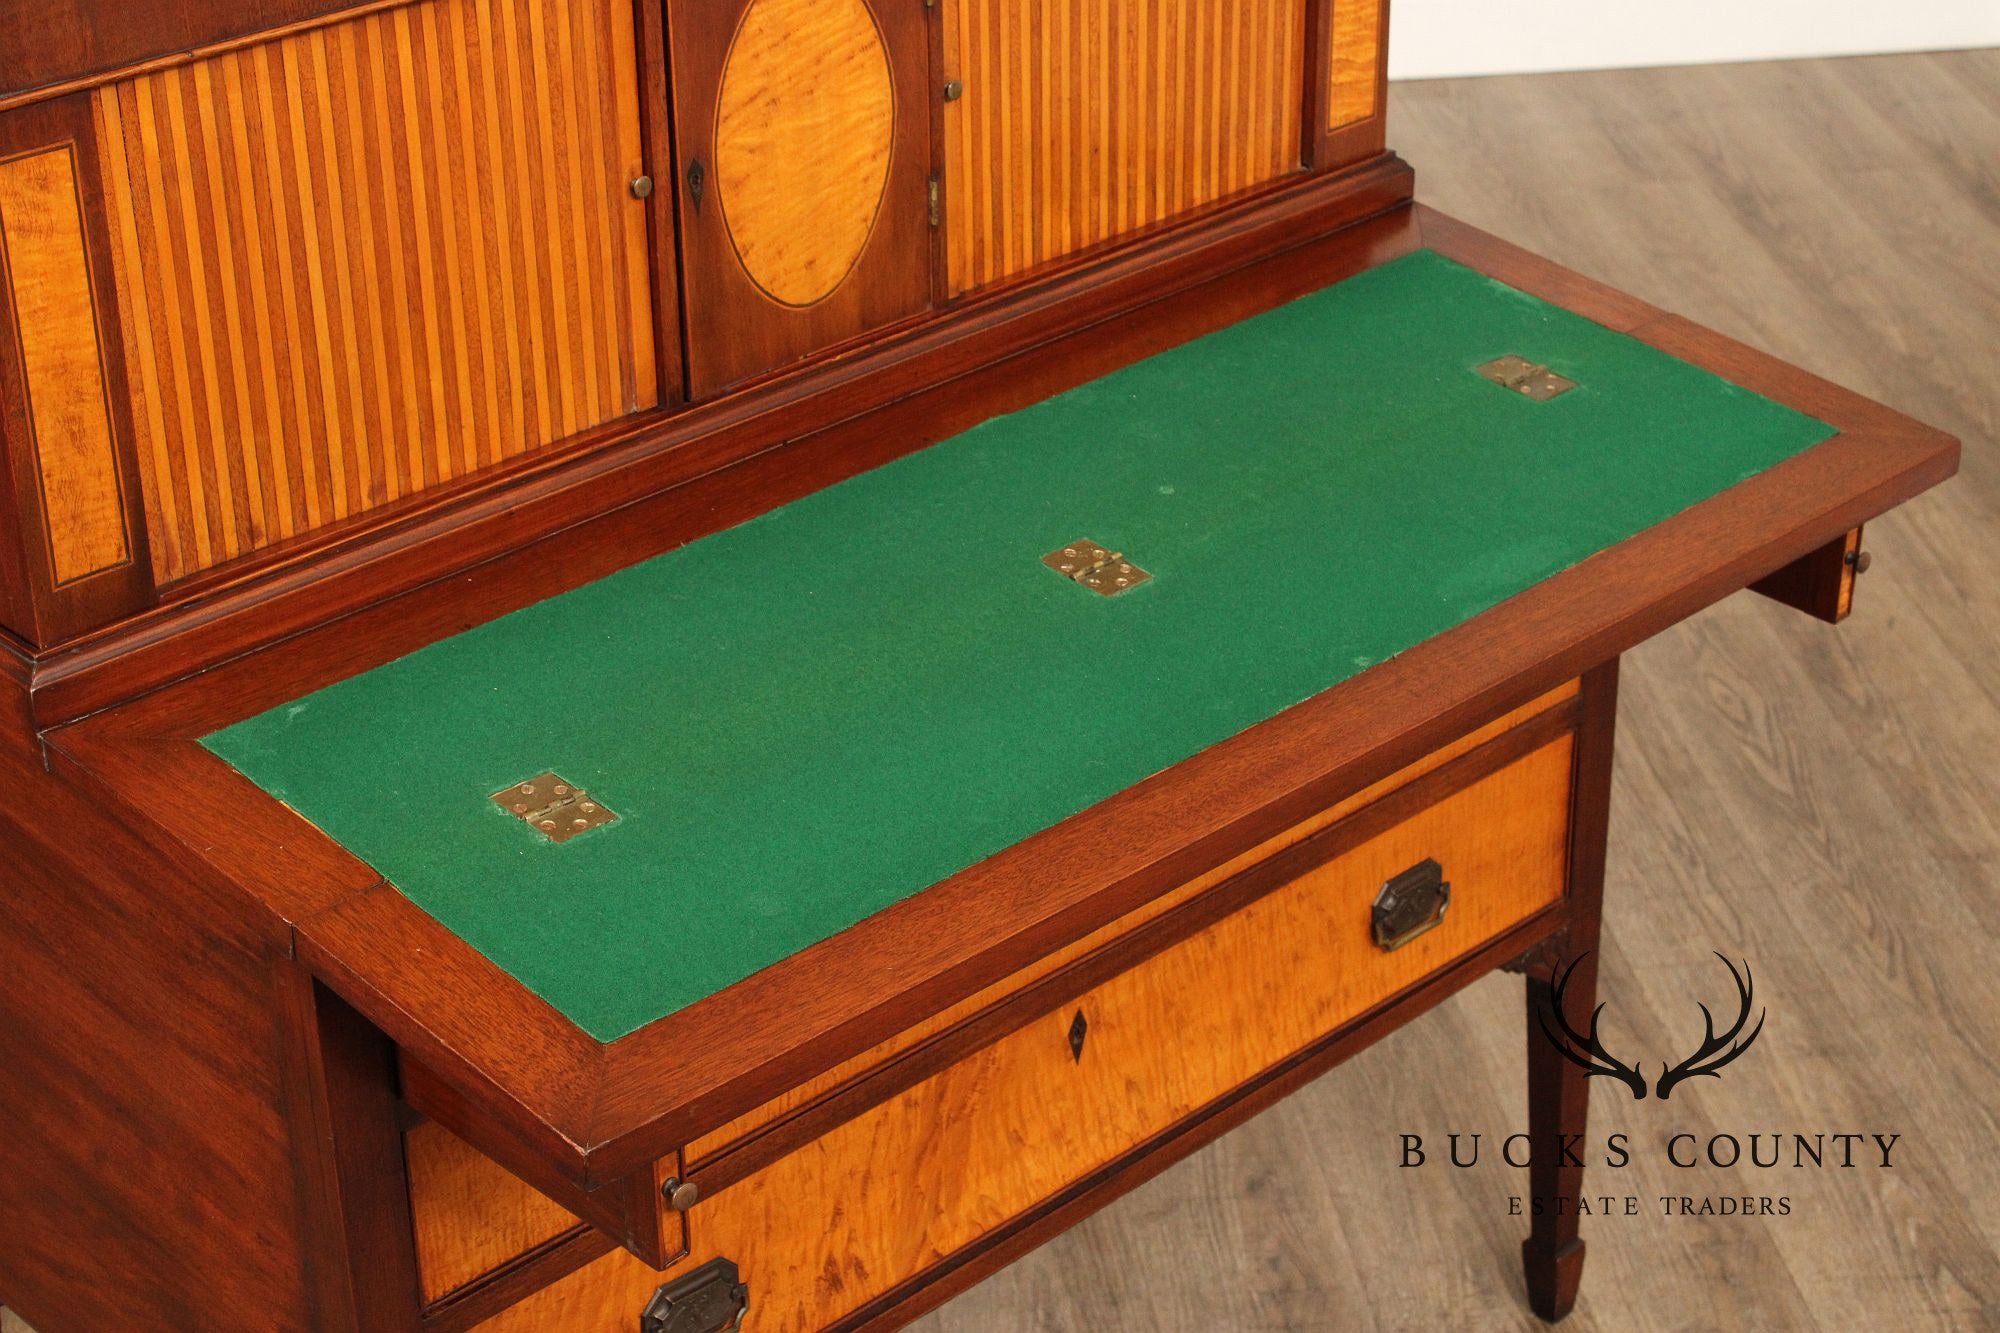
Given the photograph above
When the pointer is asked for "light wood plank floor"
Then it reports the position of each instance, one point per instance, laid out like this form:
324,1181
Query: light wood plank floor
1826,803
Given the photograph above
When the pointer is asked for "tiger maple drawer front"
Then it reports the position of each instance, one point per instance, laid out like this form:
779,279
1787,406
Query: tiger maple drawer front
878,1200
471,1216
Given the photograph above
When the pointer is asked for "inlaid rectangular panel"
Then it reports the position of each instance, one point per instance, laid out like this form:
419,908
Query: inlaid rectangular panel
1354,72
367,259
46,266
1081,121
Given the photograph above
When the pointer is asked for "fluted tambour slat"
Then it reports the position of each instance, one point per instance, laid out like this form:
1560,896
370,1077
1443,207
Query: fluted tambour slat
367,259
1082,121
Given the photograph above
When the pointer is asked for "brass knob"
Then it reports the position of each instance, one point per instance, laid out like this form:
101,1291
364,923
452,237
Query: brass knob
680,1195
642,187
954,90
1861,560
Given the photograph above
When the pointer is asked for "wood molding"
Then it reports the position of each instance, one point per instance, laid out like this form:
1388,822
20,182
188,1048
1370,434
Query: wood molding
467,1309
49,50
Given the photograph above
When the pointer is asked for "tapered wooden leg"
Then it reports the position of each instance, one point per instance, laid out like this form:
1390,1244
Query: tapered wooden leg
1558,1091
1558,1104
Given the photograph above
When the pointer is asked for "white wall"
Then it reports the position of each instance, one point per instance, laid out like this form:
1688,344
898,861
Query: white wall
1442,38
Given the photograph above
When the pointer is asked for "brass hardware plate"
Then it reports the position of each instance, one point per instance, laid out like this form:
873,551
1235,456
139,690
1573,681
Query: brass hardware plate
1410,904
711,1299
1526,378
556,809
1106,572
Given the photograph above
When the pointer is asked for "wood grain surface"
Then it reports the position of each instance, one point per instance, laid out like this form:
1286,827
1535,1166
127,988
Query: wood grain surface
803,131
136,1025
44,261
371,258
802,134
470,1215
1085,120
1354,69
1823,802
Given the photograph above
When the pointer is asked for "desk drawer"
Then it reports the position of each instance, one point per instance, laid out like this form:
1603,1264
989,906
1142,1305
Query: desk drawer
956,1158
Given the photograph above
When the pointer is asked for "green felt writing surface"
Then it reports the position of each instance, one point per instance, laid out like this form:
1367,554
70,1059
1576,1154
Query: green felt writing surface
808,717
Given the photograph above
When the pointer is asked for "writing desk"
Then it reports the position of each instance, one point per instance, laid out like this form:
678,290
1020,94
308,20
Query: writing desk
786,804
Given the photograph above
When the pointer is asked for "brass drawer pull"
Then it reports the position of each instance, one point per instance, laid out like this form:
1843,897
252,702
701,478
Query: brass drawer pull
711,1299
1410,904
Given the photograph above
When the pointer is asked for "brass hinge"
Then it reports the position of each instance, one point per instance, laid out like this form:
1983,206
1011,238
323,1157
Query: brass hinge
937,203
556,809
1101,571
1526,378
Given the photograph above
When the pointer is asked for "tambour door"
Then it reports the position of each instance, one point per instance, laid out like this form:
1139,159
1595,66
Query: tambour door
363,259
803,135
1077,124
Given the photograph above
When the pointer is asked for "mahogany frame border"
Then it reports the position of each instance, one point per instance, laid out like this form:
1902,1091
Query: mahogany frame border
479,1050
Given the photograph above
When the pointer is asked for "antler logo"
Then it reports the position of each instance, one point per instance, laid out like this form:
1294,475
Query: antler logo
1586,1051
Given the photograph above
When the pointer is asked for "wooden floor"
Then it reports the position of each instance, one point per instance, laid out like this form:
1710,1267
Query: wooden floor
1826,804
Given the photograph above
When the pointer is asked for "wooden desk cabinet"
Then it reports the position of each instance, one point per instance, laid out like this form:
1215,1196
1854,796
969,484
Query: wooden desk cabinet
349,350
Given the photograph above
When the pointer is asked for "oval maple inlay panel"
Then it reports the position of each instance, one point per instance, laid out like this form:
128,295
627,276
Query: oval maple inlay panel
803,133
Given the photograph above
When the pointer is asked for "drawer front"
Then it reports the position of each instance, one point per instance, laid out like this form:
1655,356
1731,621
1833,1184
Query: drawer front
471,1217
883,1197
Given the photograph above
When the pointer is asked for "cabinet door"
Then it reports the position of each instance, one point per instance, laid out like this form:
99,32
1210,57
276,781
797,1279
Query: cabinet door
804,146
